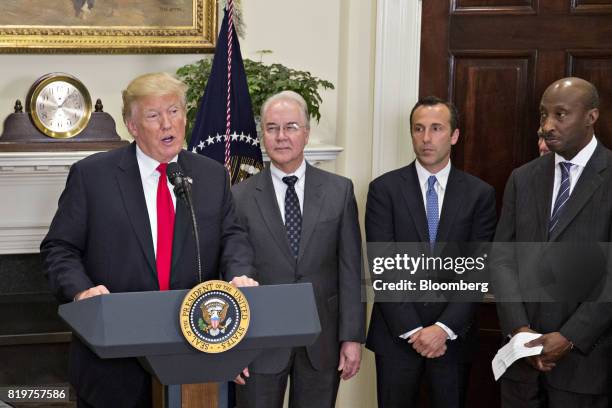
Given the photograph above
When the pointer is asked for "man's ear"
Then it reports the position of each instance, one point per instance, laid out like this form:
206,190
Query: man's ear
592,116
455,136
131,128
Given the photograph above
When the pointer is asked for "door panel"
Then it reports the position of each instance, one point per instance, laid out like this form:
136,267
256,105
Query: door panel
490,88
597,68
592,6
494,6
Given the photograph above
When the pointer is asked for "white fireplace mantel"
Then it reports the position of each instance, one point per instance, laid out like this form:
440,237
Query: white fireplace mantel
31,183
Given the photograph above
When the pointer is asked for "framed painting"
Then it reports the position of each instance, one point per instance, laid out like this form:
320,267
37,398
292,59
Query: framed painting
108,26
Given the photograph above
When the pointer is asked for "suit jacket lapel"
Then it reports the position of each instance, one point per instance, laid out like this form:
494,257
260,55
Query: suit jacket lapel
182,223
313,202
130,186
411,190
542,185
270,213
453,200
587,184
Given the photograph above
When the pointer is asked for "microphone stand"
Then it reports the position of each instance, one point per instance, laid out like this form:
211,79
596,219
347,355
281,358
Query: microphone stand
186,186
182,189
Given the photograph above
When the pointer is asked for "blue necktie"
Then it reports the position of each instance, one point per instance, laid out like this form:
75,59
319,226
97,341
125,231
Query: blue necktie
562,196
432,209
293,215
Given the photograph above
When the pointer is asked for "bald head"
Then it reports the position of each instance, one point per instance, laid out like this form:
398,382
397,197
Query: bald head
568,111
576,87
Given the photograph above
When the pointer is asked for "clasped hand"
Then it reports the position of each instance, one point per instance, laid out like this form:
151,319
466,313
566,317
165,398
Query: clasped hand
430,341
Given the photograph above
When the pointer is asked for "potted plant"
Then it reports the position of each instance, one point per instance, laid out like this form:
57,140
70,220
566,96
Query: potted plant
263,81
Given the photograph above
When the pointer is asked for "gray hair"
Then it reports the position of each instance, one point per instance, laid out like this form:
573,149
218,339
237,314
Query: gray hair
288,96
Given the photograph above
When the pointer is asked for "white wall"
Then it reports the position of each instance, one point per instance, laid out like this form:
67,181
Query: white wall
354,134
104,75
286,27
302,35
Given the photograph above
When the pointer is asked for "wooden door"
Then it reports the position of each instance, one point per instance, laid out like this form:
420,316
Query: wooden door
494,59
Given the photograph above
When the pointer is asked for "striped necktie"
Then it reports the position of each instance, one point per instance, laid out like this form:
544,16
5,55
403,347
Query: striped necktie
562,196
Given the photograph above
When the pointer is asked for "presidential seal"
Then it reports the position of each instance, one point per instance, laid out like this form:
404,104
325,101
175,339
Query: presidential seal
214,316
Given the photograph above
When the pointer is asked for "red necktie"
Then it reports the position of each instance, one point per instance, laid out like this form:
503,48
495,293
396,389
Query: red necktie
165,229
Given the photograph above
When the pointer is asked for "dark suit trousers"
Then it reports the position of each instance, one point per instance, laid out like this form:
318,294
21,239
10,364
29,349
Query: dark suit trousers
398,382
145,403
81,403
516,394
309,388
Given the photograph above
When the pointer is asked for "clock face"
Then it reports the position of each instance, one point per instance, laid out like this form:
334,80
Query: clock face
60,105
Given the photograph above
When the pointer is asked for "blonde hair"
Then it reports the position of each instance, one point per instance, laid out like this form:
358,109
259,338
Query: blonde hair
287,96
153,84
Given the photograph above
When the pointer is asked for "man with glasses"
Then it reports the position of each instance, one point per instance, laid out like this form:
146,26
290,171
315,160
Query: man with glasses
302,223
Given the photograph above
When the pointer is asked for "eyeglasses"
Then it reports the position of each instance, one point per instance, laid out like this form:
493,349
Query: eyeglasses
289,129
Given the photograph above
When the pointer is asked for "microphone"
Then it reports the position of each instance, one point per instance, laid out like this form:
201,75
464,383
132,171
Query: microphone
182,189
182,184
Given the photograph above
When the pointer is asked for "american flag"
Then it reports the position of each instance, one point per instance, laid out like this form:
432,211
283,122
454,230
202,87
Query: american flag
224,128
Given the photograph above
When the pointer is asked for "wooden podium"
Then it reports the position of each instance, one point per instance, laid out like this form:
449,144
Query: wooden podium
145,325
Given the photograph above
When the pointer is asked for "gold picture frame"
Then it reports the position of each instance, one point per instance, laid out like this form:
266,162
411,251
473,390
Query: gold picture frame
108,26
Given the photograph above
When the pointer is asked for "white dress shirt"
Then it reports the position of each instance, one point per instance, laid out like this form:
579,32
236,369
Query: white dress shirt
440,187
280,188
579,161
150,179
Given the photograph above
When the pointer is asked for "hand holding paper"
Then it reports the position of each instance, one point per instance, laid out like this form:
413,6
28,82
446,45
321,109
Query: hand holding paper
514,350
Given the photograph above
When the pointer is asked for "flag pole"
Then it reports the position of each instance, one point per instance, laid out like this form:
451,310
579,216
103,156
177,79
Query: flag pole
228,117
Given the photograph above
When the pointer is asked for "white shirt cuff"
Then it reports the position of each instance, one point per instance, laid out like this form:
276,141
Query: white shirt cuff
451,334
410,333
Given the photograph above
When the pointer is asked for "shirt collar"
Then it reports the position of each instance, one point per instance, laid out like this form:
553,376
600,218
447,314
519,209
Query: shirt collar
148,165
279,174
441,176
583,156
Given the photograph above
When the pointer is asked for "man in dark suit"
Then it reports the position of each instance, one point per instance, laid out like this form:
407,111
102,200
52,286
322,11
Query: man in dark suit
119,228
427,201
564,202
302,223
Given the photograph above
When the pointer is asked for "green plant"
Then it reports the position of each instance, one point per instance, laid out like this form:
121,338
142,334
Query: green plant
263,81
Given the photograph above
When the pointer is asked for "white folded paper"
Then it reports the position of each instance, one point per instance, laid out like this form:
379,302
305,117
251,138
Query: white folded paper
514,350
